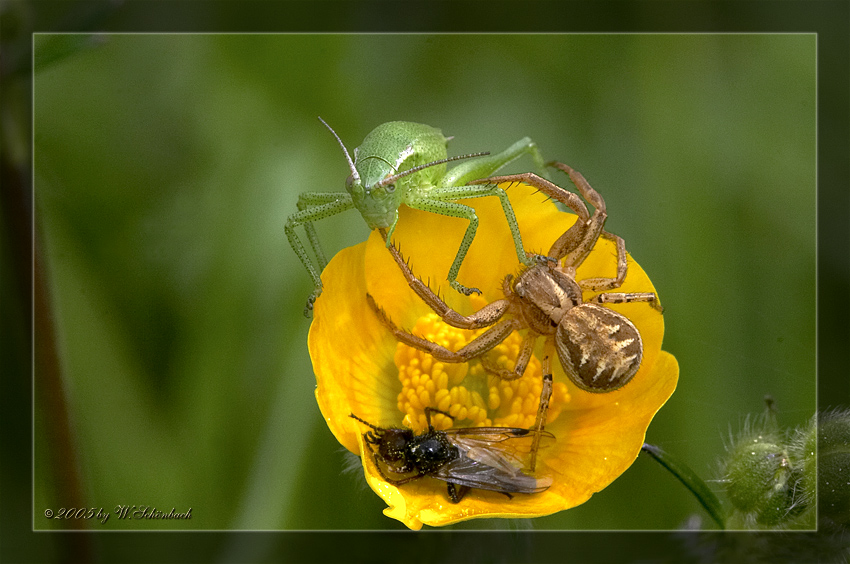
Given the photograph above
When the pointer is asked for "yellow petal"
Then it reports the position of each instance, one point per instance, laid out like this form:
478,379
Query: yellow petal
350,351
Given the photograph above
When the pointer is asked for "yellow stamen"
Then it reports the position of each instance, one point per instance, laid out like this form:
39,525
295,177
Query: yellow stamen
460,389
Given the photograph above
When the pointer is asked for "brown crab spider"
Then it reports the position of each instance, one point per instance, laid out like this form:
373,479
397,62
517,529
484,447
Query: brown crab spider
599,349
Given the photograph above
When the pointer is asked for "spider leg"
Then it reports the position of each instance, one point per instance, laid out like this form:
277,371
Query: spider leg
522,360
551,189
583,186
576,243
542,410
476,347
626,297
572,239
487,315
597,284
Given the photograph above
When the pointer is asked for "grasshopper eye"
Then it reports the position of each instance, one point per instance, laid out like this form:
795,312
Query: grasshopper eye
390,188
349,182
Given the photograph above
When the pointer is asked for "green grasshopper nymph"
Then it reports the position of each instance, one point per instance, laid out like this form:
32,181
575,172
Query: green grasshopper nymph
405,163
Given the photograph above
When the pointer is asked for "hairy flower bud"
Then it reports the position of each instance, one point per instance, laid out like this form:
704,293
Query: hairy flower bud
762,479
833,469
755,470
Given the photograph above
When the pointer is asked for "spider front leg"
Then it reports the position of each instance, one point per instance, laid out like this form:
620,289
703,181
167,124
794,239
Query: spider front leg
575,244
583,185
484,317
475,348
441,201
523,358
574,248
601,283
551,189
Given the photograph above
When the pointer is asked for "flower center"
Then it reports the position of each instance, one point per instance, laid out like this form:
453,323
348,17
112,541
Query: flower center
466,391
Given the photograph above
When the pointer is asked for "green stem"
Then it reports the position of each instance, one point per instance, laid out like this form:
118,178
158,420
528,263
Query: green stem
691,481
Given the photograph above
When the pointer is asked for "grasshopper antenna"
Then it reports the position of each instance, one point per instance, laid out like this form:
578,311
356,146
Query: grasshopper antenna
393,178
354,174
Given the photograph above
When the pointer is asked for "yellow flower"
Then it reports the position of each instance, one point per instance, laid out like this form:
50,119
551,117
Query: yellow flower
362,369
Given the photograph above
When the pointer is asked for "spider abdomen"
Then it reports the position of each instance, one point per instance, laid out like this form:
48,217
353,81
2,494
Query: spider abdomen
599,349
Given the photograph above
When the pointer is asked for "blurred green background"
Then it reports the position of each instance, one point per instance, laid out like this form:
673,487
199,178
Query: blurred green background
165,168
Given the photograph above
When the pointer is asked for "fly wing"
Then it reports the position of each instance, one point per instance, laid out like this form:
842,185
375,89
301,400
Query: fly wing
499,434
491,458
500,447
465,471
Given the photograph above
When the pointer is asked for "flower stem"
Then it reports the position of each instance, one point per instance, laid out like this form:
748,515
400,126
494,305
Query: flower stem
691,481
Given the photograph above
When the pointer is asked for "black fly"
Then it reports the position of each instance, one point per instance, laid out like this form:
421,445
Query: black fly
486,458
